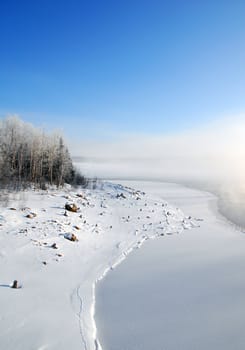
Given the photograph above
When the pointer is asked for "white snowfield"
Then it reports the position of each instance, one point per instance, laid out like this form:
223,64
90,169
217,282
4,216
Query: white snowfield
54,308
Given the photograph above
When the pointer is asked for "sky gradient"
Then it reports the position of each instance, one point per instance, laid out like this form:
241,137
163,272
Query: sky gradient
95,68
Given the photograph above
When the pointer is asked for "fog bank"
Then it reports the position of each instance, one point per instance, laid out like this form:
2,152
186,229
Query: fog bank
212,158
216,152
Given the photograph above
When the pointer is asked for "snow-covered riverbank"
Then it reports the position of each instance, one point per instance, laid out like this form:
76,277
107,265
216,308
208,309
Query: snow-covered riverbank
55,307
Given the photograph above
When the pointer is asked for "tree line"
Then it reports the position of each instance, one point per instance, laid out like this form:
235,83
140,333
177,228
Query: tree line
29,155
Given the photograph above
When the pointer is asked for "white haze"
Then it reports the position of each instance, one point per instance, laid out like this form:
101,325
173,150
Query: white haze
211,157
216,152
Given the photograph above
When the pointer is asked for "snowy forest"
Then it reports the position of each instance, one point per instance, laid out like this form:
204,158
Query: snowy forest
30,156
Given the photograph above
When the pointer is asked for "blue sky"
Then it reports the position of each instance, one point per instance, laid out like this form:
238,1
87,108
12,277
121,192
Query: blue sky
150,67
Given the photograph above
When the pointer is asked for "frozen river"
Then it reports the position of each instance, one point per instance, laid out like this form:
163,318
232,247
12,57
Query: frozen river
185,291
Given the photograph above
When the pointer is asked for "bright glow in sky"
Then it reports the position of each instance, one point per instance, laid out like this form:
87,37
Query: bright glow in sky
96,69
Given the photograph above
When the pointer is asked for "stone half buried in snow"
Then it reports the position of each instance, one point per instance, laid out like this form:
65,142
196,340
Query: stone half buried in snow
15,285
72,207
71,237
81,195
121,195
31,215
54,246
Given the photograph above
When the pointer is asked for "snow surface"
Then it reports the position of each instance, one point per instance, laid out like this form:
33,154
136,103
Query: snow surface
55,306
181,292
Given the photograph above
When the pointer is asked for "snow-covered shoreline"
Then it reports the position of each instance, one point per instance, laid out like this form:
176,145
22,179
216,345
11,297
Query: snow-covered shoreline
60,283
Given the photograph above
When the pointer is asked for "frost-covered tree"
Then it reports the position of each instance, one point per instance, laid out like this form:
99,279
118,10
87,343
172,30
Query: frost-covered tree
30,156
